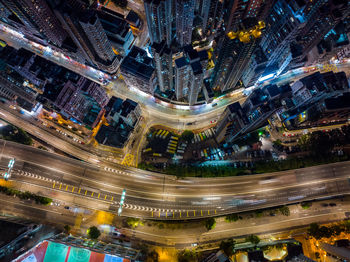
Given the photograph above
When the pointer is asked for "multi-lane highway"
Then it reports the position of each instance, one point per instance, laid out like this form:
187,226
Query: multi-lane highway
160,196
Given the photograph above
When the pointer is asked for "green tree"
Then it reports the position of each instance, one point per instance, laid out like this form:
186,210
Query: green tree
284,210
306,205
93,232
187,135
314,230
303,142
210,223
321,143
67,229
336,230
232,218
187,256
254,239
134,222
228,246
152,256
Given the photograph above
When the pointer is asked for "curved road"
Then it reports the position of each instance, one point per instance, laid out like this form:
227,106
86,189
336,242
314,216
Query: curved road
165,197
161,111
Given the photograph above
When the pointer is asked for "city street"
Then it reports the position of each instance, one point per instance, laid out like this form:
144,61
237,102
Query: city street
187,234
189,117
151,195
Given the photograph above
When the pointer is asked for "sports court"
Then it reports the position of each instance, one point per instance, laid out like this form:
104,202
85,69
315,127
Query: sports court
48,251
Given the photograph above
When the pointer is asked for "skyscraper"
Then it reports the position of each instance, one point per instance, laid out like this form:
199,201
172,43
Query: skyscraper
282,26
182,75
159,19
189,75
211,14
85,29
96,35
196,82
37,18
162,56
184,21
320,16
235,51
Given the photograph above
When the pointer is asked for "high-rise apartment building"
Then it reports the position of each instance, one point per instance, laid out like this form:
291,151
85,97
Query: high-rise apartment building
184,21
138,70
38,19
236,48
87,32
196,82
319,17
93,29
282,26
182,77
159,19
189,75
162,56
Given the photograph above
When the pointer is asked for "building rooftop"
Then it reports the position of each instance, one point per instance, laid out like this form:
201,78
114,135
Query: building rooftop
340,102
272,90
127,107
181,62
113,24
138,63
10,231
203,55
197,68
133,18
114,136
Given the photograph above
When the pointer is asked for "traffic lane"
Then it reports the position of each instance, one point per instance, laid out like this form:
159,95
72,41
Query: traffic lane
234,204
186,192
62,162
33,211
47,137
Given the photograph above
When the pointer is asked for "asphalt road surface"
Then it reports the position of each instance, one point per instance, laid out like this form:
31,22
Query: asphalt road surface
166,197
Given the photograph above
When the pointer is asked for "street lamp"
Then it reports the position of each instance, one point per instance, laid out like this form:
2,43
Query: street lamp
120,209
7,175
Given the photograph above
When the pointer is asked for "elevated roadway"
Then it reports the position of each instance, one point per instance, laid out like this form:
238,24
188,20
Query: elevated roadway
152,195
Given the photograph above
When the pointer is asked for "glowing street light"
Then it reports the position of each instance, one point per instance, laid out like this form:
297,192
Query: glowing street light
7,175
120,209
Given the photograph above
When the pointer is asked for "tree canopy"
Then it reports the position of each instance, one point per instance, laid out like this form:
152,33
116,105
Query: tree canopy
253,239
187,256
228,246
93,232
187,135
210,223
